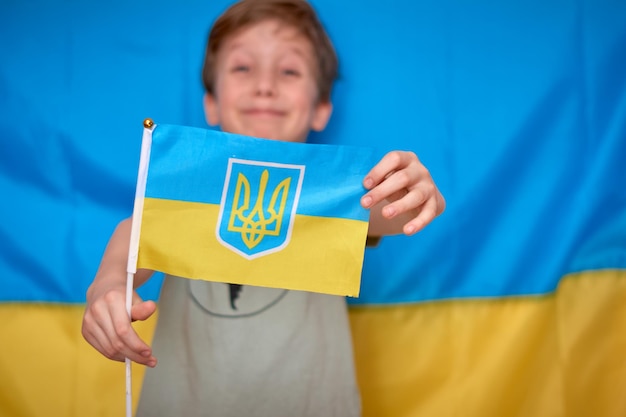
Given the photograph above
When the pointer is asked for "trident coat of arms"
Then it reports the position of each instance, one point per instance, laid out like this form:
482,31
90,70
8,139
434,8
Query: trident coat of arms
258,206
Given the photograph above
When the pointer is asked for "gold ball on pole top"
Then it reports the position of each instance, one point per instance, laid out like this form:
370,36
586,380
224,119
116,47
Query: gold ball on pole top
148,123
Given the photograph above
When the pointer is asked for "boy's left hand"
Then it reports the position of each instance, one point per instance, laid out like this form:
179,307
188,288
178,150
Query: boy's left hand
402,195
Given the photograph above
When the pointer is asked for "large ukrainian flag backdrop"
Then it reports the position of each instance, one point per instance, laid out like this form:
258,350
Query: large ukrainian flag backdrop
512,303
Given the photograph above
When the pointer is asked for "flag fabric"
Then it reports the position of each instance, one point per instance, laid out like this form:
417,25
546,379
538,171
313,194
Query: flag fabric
242,210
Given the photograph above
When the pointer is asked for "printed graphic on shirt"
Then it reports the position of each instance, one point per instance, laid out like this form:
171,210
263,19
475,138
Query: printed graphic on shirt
258,206
234,290
233,300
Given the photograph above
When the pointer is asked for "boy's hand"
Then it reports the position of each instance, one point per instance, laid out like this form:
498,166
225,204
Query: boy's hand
402,195
107,327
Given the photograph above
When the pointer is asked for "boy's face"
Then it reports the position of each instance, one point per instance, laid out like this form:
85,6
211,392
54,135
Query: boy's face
265,85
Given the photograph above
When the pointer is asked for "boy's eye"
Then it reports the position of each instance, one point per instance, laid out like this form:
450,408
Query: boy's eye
291,72
240,68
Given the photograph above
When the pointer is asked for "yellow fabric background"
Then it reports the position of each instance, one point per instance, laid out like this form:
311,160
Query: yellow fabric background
47,369
556,355
561,355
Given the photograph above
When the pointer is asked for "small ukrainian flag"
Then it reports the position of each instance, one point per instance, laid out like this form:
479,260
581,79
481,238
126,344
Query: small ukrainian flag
229,208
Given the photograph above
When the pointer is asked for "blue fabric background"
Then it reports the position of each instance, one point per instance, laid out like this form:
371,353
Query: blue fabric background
517,108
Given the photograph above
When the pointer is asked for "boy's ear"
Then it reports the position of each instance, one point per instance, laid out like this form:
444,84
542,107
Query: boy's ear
323,110
210,110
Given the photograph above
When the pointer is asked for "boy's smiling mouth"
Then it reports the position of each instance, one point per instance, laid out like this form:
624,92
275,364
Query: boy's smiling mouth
263,112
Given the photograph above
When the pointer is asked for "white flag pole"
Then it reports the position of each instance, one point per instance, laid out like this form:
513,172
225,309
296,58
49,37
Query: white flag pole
133,250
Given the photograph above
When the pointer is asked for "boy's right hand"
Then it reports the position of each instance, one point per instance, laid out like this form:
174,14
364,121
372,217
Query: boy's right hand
107,327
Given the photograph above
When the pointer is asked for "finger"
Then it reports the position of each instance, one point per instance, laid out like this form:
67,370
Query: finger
393,188
413,199
126,341
94,335
142,311
99,340
390,163
427,213
97,319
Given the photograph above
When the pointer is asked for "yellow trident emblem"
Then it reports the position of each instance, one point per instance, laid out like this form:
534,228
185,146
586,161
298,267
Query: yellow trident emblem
256,223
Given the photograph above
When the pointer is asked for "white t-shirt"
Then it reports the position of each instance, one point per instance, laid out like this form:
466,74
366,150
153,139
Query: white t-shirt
229,350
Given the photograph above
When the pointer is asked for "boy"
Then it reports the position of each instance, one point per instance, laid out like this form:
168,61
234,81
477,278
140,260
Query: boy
228,350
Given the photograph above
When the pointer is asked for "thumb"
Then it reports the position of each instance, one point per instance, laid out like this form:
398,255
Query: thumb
142,310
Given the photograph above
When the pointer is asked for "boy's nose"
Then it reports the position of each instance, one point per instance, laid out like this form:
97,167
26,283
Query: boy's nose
265,85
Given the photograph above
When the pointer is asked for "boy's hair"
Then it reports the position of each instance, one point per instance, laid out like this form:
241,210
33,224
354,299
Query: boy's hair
296,13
